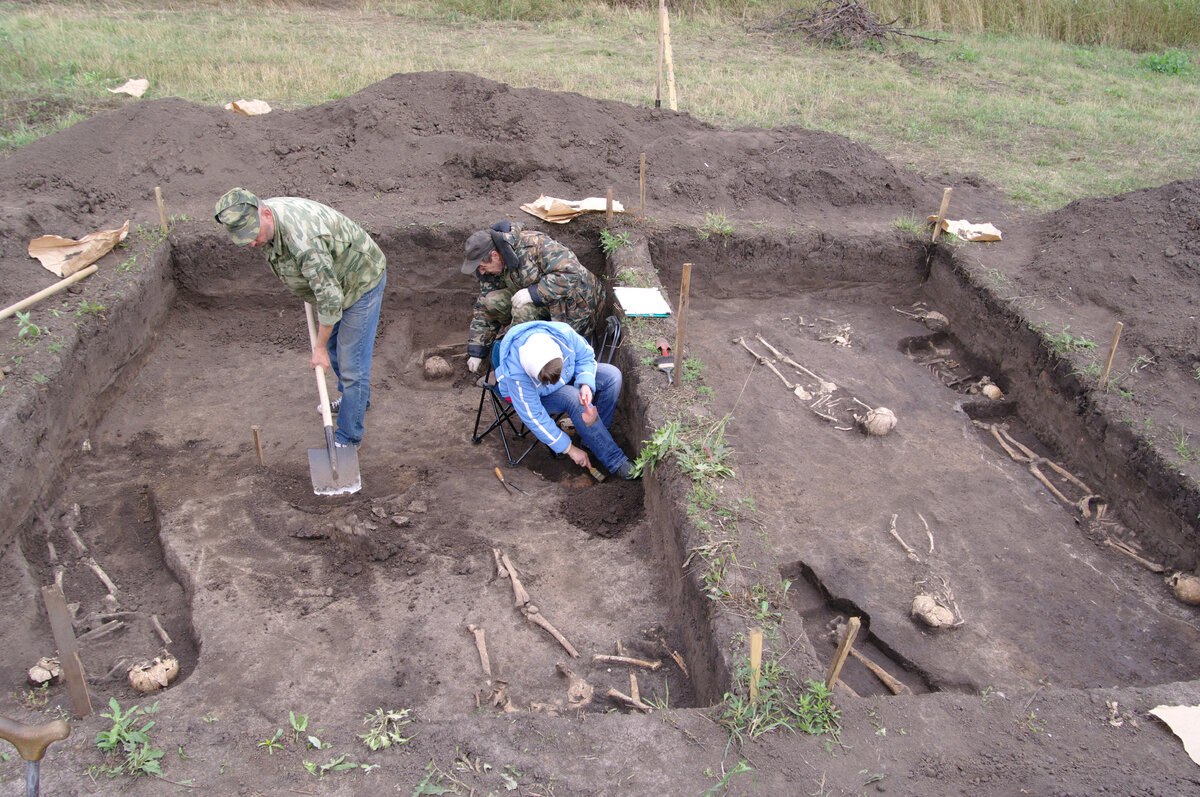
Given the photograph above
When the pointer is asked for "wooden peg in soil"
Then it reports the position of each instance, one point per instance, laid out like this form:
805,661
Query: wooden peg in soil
608,207
941,216
684,289
843,650
1111,352
257,444
756,639
162,211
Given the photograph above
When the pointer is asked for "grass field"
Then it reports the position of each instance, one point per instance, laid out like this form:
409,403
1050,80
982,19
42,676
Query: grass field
1047,121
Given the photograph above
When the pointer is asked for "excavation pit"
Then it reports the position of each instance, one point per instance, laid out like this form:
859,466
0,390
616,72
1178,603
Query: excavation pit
283,601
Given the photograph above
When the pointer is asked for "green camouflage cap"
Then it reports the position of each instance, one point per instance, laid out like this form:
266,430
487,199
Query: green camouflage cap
237,210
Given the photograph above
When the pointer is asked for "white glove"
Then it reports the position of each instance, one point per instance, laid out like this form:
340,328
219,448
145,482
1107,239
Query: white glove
520,299
473,364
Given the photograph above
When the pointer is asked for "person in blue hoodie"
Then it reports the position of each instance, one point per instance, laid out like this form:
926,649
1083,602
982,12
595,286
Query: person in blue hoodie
545,368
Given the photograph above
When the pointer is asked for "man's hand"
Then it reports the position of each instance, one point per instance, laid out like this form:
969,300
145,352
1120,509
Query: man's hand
473,364
578,456
520,299
320,358
585,395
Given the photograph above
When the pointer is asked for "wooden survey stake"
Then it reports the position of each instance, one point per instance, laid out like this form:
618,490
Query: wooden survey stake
68,652
756,639
843,650
684,288
937,225
162,210
1111,353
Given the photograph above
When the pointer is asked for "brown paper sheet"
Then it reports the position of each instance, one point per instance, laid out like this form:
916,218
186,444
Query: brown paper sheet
975,233
132,87
63,256
560,211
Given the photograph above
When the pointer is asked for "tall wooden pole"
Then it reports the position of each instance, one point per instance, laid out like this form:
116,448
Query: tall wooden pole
662,16
684,288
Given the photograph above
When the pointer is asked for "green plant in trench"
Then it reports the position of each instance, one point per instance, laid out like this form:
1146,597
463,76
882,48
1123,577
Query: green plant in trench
123,738
778,707
610,242
700,454
715,224
384,728
27,330
1180,440
1064,342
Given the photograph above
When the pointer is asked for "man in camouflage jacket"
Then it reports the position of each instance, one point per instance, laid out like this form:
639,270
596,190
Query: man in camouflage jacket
330,262
525,275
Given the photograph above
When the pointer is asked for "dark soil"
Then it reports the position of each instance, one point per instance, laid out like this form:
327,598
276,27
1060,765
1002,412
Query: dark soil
278,601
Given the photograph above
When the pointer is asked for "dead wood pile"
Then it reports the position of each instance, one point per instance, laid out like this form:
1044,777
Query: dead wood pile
840,23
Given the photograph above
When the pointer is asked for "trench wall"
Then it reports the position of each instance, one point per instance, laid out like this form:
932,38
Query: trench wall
1152,498
41,428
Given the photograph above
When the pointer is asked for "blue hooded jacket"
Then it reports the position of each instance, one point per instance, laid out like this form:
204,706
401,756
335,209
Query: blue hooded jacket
525,392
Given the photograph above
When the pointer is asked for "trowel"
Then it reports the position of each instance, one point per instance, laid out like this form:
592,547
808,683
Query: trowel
334,470
665,362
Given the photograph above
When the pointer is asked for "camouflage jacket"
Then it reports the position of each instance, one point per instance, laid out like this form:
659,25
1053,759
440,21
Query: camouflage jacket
321,256
556,280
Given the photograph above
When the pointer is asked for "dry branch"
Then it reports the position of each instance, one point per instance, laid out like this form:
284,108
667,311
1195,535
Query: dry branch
839,23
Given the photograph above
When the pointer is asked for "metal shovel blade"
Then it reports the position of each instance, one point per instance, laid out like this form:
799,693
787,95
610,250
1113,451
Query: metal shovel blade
334,470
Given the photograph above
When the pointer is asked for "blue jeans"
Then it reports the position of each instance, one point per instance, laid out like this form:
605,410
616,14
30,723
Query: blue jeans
596,438
350,349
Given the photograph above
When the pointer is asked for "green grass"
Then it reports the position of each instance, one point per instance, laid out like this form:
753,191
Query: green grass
1048,120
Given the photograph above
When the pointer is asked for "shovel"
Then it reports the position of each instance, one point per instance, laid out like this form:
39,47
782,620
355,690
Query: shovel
333,472
664,362
31,742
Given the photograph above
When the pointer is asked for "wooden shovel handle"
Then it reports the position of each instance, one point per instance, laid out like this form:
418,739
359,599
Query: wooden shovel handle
31,741
326,416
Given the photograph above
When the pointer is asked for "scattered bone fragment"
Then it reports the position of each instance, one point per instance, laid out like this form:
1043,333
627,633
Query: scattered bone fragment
990,389
826,386
1126,549
628,701
908,549
534,616
481,645
437,368
522,601
1020,452
579,691
932,319
601,658
46,670
877,422
158,629
1186,588
926,609
112,626
149,676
